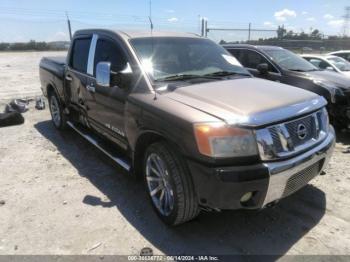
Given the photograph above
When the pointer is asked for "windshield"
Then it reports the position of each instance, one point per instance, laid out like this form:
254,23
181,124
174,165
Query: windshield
340,63
179,58
290,61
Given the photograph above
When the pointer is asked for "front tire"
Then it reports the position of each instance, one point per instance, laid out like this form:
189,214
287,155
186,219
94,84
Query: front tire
169,185
56,110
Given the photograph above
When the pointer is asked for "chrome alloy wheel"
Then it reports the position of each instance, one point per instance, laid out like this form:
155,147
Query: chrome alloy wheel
159,186
55,111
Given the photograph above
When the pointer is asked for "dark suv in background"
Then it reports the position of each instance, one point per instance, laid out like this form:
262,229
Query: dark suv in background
281,65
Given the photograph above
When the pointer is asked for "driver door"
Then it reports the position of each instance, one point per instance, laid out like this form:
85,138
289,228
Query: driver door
106,104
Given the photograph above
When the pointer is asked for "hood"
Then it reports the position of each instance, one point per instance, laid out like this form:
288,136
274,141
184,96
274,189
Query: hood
339,80
248,101
346,73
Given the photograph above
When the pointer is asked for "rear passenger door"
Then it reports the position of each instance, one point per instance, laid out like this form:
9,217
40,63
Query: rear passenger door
250,59
76,74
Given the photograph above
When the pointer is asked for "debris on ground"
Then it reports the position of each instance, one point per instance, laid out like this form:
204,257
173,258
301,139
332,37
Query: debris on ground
17,105
11,119
95,246
40,103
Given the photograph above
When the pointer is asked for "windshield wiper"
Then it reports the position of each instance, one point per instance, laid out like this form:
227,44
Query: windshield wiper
183,77
226,73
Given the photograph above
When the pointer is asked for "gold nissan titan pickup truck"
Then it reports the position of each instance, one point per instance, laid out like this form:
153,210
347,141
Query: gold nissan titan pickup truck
181,112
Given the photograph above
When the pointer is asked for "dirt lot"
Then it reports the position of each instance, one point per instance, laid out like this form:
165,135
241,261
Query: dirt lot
62,196
19,73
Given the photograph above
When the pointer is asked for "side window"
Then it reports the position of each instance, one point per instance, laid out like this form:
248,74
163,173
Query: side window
237,54
107,51
346,56
314,61
252,59
80,54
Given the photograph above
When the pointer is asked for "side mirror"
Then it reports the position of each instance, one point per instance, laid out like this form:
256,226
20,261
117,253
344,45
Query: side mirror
329,68
103,74
263,68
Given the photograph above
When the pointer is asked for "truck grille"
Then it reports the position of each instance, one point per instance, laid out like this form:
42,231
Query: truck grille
309,123
289,138
302,178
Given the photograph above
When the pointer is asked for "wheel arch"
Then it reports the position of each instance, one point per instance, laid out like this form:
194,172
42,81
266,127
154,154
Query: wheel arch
145,139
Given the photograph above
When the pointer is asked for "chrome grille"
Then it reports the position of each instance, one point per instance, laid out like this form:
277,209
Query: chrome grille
276,140
302,178
309,123
287,139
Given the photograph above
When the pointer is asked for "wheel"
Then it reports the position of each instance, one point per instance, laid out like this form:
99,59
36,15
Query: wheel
169,185
56,110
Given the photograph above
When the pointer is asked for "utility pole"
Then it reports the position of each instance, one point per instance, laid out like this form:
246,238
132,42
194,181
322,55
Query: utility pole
204,27
346,21
249,31
69,27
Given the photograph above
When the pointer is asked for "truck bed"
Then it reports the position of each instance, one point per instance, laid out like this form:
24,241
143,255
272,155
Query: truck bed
54,65
52,73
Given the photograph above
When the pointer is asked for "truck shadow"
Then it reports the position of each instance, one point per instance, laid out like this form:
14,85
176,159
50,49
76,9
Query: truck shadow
270,231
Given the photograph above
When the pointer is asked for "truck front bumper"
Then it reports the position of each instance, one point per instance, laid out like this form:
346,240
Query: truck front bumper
265,183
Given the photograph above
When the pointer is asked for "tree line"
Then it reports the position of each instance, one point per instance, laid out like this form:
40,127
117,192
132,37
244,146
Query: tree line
34,46
284,34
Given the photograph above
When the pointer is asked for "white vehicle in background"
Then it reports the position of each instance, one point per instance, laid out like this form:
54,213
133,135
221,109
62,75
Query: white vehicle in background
343,54
329,62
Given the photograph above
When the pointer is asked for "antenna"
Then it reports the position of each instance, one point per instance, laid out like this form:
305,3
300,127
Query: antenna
151,24
150,15
69,27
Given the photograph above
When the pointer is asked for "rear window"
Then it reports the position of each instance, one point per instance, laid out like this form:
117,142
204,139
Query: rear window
80,54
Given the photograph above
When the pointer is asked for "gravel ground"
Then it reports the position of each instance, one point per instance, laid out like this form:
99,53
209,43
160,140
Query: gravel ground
60,195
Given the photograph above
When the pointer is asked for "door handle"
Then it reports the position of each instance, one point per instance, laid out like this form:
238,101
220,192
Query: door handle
91,88
69,78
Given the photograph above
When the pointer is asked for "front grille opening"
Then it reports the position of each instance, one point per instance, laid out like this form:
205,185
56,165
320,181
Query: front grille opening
302,178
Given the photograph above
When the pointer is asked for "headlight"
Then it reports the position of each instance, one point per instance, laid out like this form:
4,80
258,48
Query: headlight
333,89
221,140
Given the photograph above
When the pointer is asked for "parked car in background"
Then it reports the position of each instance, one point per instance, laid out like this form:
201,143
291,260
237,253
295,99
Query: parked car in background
184,114
281,65
343,54
329,62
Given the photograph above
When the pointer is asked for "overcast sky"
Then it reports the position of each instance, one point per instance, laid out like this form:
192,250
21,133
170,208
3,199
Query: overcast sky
21,20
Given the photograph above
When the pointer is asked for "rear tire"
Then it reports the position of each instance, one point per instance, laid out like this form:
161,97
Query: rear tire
169,185
59,119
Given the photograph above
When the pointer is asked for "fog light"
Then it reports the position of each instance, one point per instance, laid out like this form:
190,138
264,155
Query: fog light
246,197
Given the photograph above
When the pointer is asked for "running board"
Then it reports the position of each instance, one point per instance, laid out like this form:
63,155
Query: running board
96,141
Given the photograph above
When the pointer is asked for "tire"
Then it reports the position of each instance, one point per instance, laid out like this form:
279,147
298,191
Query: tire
169,185
59,119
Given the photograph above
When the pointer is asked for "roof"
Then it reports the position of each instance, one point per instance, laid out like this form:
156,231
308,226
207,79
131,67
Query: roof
148,33
325,56
129,34
340,51
261,47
